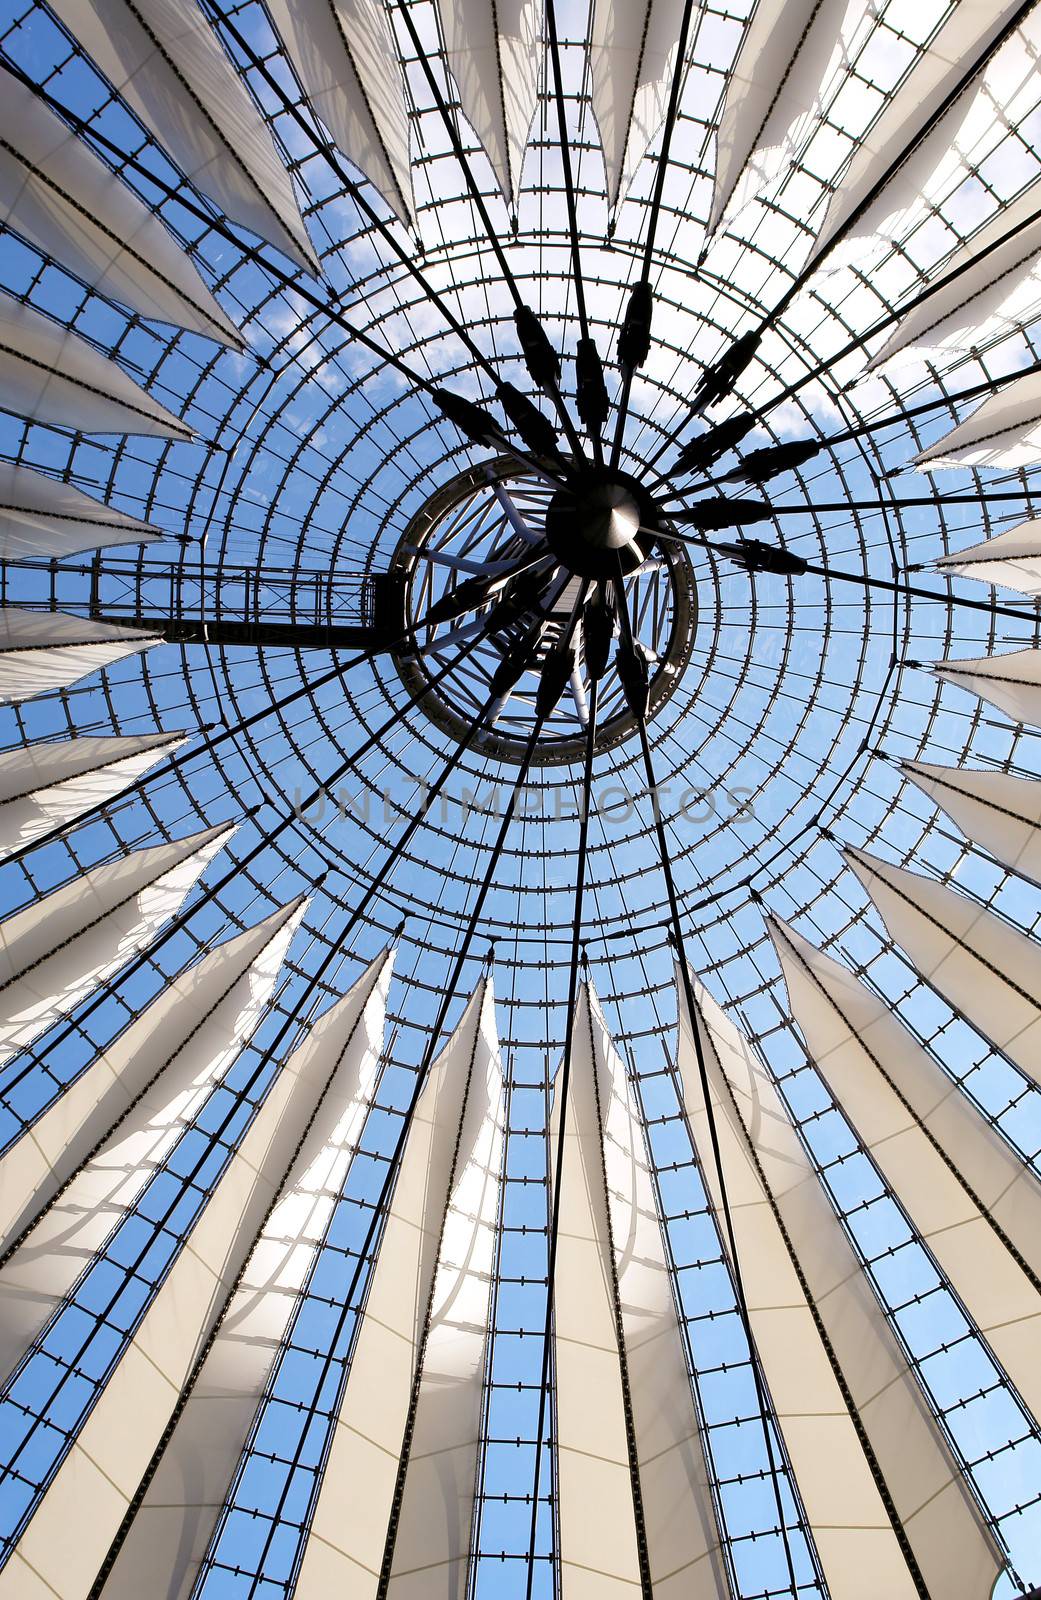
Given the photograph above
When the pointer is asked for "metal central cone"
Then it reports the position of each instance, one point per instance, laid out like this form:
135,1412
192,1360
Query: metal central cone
611,520
597,520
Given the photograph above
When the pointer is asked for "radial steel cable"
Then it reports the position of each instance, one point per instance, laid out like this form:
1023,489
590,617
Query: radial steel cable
765,1409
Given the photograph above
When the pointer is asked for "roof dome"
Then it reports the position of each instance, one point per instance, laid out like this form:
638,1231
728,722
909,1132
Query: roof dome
519,685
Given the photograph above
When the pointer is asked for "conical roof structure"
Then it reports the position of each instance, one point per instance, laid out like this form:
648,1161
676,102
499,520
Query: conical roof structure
520,800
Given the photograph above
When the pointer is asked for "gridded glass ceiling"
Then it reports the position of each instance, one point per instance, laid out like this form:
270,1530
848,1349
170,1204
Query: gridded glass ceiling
779,744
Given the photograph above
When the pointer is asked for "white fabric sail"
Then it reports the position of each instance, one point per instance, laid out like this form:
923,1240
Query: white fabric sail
1012,682
347,1536
493,53
987,970
683,1537
961,139
55,951
770,1181
595,1512
432,1544
950,318
66,1541
57,194
1005,431
49,374
41,516
45,786
167,63
186,1033
41,651
969,1204
68,1232
339,1060
962,41
774,82
994,810
632,58
344,55
1012,559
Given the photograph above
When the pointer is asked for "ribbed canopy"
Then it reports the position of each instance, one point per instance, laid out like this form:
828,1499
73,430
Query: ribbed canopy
140,1084
435,1523
994,810
939,74
881,1490
47,786
40,516
442,1204
44,651
344,57
56,377
964,1190
519,799
146,1107
612,1268
64,201
1011,559
55,951
1011,681
632,57
775,81
490,46
999,433
336,1071
984,273
165,61
992,971
66,1539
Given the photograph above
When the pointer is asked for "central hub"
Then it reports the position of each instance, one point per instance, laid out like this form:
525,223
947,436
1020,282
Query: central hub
492,518
601,518
607,517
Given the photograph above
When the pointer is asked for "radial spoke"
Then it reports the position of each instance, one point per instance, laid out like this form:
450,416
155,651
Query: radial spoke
561,1099
592,396
379,1205
262,256
216,241
643,286
390,861
211,893
638,704
324,148
733,512
860,430
973,71
473,188
755,556
214,741
882,324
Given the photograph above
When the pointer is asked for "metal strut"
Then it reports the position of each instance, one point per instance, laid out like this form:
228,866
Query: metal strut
393,1161
213,741
562,1086
211,892
889,320
405,12
137,1499
592,398
726,435
391,860
212,219
765,1410
755,556
642,291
